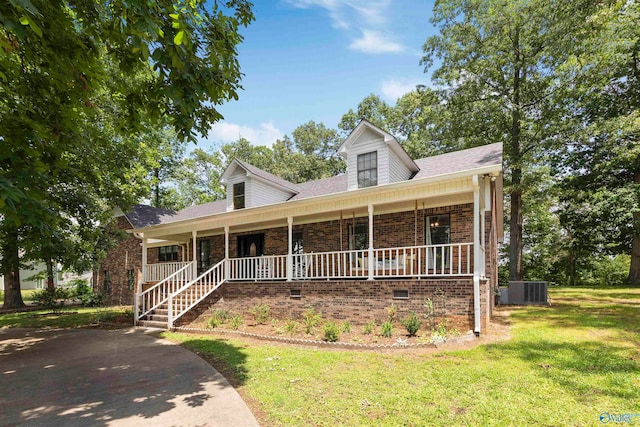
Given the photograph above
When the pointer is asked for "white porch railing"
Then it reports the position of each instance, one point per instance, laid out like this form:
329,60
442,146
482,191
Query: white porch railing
185,298
454,259
158,294
330,265
157,272
267,267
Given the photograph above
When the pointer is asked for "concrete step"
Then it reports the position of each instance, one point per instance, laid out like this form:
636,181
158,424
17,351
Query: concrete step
161,311
158,317
152,324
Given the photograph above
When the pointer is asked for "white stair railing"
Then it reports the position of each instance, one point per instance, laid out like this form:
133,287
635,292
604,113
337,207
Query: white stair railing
158,294
184,299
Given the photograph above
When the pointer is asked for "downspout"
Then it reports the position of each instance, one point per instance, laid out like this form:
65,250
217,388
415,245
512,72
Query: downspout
289,248
476,254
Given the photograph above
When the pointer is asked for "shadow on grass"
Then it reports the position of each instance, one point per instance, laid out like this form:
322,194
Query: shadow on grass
572,364
225,357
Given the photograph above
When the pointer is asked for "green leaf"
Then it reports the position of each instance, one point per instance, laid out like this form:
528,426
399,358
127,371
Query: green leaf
177,40
24,20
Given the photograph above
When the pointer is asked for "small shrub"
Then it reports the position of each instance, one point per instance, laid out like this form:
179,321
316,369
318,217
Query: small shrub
291,326
311,319
412,323
386,329
331,331
346,327
369,328
222,315
80,287
260,313
51,299
235,322
391,313
428,314
92,299
213,322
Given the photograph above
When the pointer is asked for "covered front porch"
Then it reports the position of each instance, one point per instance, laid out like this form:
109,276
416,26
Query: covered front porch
316,241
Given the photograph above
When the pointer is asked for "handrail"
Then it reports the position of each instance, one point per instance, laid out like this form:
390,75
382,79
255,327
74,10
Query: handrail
195,291
157,272
155,296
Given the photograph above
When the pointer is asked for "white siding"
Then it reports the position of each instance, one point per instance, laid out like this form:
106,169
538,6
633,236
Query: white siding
265,194
398,171
366,143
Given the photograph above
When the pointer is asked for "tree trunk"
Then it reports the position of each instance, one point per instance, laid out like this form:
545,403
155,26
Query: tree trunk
634,269
515,225
11,263
50,282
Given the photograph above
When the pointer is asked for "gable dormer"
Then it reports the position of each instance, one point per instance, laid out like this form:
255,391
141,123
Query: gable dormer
249,186
374,157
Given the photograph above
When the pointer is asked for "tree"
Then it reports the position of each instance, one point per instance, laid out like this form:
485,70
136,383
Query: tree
166,153
599,166
499,70
79,84
197,179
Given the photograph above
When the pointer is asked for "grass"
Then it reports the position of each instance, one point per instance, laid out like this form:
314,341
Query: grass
27,294
69,318
564,365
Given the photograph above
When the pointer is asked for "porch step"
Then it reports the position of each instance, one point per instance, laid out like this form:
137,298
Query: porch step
158,317
152,324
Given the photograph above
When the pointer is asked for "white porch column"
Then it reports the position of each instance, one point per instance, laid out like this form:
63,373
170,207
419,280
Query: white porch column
370,253
226,252
290,249
144,261
194,235
476,254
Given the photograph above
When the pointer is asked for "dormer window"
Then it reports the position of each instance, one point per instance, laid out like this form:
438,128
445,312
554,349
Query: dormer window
238,195
368,169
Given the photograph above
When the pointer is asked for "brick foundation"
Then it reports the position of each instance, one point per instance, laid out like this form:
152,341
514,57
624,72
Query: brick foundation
356,301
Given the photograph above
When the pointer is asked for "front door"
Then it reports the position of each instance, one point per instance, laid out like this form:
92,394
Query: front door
251,245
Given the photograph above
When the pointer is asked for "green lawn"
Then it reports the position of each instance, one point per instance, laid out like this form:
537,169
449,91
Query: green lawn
71,317
27,295
564,365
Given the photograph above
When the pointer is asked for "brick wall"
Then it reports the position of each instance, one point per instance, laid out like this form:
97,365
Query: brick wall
390,230
357,301
127,255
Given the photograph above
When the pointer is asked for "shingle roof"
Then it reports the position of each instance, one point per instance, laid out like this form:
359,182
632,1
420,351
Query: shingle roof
320,187
457,161
268,176
144,216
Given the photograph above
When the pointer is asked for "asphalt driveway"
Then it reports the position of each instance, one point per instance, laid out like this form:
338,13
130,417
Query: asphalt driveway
90,377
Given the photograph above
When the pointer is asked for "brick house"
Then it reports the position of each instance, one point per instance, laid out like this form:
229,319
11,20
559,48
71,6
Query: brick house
390,231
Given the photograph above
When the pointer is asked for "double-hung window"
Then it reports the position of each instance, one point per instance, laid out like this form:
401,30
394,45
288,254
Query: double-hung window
238,195
368,169
168,253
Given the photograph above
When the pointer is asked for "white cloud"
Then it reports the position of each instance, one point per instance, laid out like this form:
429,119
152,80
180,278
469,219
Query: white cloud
374,42
358,17
265,134
393,89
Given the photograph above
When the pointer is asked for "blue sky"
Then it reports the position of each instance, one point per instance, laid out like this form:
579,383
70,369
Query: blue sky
315,59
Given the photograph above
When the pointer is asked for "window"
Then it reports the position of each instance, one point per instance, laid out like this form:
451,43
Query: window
238,195
438,232
106,285
358,237
131,279
368,169
168,253
204,256
401,294
297,246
